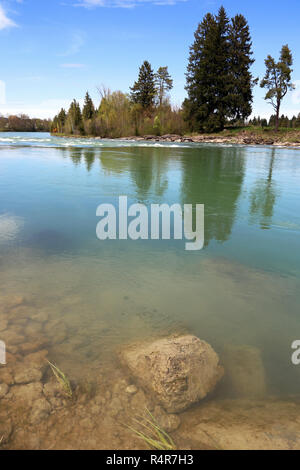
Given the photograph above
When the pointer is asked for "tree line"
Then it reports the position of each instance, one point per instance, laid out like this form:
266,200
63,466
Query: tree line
219,85
284,122
146,109
23,123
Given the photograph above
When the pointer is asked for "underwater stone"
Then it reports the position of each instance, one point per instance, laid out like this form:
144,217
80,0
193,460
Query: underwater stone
131,389
243,425
40,410
178,371
6,376
3,390
26,394
3,324
168,422
25,374
245,373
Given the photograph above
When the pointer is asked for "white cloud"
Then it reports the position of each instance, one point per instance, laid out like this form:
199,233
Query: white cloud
5,22
73,44
124,3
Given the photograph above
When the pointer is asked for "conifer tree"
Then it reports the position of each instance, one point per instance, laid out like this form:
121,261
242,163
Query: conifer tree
222,64
61,120
219,81
208,78
197,106
75,117
88,110
163,83
277,80
240,60
143,91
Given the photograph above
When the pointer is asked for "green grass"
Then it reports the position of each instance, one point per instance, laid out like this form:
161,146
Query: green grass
152,434
62,380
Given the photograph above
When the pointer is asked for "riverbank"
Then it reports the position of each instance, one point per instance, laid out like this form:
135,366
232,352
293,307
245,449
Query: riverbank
245,136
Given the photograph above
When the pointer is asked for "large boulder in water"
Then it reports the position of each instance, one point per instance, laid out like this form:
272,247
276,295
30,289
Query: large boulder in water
178,371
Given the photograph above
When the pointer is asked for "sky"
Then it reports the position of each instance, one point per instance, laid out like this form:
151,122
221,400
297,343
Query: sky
55,50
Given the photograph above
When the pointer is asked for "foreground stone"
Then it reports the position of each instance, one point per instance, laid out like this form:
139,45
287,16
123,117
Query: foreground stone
178,371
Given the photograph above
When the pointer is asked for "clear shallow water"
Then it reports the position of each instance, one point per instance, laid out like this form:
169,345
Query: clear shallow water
242,288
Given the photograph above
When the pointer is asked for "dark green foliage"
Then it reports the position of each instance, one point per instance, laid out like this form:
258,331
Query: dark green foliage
277,79
201,107
60,120
284,122
219,83
143,91
74,120
88,110
240,60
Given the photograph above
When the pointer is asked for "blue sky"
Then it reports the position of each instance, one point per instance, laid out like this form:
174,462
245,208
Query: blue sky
53,51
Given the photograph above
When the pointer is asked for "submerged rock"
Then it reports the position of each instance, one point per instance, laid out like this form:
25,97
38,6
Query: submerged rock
131,389
6,376
3,324
168,422
12,301
40,410
245,373
25,374
178,371
3,390
26,394
243,425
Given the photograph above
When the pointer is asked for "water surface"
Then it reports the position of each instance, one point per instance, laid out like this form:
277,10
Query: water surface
242,288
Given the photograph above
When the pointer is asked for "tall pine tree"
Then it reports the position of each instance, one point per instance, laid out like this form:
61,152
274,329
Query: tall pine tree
61,120
219,82
88,110
208,75
240,60
75,118
143,91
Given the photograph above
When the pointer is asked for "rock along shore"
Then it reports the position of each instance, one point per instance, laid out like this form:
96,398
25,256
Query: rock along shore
239,139
213,139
